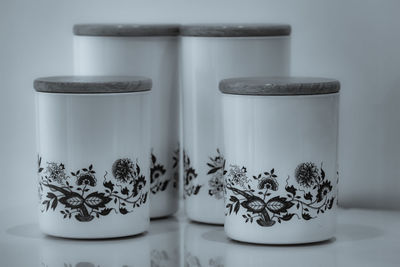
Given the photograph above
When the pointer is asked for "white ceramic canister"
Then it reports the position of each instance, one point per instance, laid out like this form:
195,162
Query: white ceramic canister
151,51
280,141
211,53
93,155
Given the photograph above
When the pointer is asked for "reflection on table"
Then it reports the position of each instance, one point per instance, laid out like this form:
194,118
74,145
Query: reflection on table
364,238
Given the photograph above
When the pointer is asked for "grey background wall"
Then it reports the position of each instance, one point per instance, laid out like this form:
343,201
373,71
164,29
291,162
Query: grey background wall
356,42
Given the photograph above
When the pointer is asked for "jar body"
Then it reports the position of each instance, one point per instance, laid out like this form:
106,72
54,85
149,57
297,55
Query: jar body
205,61
93,164
281,158
154,57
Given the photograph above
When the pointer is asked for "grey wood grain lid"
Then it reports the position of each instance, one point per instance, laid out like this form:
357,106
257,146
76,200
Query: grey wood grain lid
126,29
235,30
275,86
92,84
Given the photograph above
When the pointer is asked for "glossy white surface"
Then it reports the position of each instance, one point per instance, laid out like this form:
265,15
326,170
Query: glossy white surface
280,133
363,238
206,61
81,130
155,57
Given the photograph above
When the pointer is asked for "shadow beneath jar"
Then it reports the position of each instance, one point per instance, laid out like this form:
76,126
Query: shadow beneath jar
220,237
30,230
355,232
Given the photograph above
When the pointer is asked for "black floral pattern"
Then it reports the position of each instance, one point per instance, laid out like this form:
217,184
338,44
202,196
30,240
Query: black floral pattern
266,208
268,181
190,186
123,170
175,167
306,174
157,171
87,178
217,172
82,201
158,181
56,172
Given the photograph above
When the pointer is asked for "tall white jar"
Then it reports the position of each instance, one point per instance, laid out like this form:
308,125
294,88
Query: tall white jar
93,155
280,141
152,51
211,53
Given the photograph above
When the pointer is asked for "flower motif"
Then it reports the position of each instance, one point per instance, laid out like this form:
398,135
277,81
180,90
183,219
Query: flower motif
323,190
306,174
156,171
56,172
139,185
268,183
217,186
86,179
190,175
123,170
218,161
238,175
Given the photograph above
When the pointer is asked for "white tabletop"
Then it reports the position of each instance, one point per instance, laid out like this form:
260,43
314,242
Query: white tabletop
364,238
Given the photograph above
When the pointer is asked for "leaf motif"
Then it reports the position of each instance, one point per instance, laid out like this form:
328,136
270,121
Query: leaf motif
153,158
164,185
306,216
237,207
197,189
278,205
330,205
233,199
213,170
254,204
137,169
54,204
97,200
74,201
51,195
